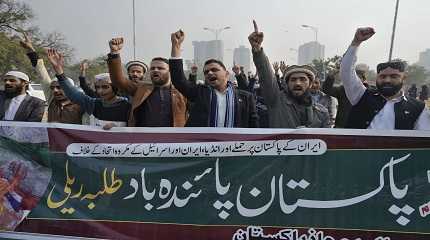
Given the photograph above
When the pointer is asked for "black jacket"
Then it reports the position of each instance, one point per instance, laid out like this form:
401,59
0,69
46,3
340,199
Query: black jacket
406,112
31,109
245,111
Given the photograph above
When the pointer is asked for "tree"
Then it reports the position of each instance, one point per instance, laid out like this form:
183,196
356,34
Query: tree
14,16
13,57
324,66
96,66
15,19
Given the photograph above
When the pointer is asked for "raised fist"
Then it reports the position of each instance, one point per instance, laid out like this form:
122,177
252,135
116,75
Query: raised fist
116,45
256,38
56,59
177,38
362,34
276,67
84,67
26,43
283,67
236,69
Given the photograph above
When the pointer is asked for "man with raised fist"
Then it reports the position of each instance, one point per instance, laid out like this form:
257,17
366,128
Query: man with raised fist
60,108
387,107
217,103
154,105
292,107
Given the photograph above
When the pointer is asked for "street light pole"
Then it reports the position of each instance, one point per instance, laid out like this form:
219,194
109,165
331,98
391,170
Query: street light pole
394,31
216,31
315,29
134,30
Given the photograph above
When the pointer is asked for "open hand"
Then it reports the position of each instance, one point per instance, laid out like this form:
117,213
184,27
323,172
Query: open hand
26,43
56,59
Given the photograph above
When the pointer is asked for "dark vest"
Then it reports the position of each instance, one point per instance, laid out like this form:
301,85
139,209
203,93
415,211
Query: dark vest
406,111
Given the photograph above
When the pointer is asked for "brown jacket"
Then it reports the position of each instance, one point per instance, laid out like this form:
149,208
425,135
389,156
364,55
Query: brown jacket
141,91
69,113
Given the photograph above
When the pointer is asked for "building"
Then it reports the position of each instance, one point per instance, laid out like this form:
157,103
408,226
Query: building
242,57
310,51
204,50
424,59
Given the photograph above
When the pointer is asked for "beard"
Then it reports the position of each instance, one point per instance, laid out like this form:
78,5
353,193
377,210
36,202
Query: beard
304,98
136,79
388,89
11,93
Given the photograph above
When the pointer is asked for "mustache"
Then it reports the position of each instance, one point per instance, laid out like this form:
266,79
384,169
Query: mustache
297,88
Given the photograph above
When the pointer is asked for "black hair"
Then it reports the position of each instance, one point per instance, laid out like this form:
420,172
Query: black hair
160,59
395,64
209,61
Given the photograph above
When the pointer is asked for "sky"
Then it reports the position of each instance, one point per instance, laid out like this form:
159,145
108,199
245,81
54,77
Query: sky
89,24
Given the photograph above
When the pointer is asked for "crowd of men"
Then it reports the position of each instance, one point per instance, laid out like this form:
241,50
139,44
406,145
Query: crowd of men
295,97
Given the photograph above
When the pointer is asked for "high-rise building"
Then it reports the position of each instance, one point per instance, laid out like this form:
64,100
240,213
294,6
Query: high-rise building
424,59
242,57
204,50
310,51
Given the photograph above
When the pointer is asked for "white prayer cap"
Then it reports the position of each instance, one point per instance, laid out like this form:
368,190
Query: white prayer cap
102,76
68,79
362,67
17,74
136,63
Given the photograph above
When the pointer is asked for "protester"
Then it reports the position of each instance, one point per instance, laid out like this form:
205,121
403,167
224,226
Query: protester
60,108
136,70
294,106
217,104
108,110
193,74
156,105
83,67
424,94
344,106
327,101
15,103
241,79
413,91
384,108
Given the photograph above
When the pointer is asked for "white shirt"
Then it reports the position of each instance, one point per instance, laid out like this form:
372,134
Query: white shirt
97,122
221,106
355,89
13,107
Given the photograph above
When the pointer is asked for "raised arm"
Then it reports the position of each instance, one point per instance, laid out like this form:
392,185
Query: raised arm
242,82
83,80
37,62
115,67
57,61
268,81
329,88
354,88
177,69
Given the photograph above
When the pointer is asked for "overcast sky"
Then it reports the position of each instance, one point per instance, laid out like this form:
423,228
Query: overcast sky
89,24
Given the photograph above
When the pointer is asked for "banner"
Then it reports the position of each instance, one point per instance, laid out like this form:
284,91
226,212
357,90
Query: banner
205,183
